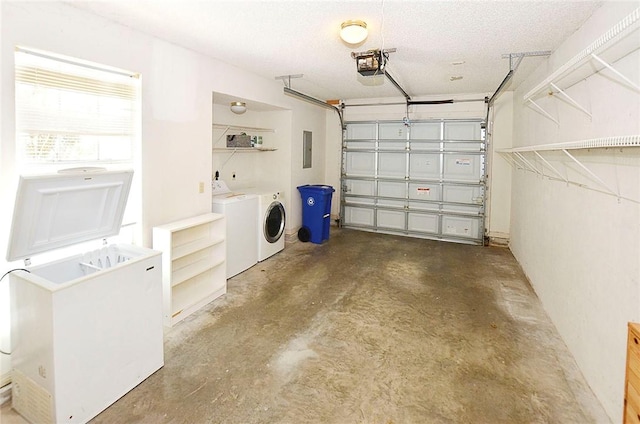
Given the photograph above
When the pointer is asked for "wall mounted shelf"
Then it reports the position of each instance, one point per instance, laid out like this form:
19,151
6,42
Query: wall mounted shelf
613,45
242,149
228,127
532,159
236,129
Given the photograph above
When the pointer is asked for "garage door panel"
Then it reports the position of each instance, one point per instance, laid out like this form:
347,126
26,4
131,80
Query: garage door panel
358,216
366,131
392,164
462,194
424,191
460,226
392,189
462,167
424,166
423,222
390,219
426,131
360,163
392,131
462,130
359,187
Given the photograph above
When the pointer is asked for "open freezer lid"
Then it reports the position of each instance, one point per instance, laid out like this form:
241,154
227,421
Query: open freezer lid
63,209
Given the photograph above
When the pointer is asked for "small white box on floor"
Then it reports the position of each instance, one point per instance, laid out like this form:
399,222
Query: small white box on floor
85,329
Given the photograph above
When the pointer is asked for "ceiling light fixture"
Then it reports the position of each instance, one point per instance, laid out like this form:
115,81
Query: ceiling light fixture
353,32
238,107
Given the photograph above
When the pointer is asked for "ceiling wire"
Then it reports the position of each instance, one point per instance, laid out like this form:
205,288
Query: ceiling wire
382,25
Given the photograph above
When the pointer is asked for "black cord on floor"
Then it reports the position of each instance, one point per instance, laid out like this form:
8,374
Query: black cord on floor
1,278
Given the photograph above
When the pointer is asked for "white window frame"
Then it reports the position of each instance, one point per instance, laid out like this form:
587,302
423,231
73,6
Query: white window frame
61,78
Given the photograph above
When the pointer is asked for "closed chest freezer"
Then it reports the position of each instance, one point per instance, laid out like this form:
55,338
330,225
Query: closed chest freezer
87,328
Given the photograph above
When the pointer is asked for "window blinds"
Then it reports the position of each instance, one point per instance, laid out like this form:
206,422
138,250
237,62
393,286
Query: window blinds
72,111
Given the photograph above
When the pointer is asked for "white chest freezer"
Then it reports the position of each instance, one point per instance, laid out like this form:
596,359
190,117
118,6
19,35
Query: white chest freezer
85,329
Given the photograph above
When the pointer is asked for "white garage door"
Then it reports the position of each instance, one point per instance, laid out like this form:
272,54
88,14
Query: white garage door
424,180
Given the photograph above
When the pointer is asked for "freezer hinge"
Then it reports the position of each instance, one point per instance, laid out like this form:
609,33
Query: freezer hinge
27,262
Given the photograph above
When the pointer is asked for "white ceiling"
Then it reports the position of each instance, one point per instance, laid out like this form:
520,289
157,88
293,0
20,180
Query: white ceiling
285,37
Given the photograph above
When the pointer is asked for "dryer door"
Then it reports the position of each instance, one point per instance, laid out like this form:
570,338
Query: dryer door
274,222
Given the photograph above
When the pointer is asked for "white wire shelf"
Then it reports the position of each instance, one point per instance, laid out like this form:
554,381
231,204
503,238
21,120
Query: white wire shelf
611,46
606,41
228,127
532,159
594,143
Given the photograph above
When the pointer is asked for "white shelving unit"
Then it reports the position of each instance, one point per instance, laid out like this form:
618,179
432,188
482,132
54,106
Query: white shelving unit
611,46
599,56
237,129
193,264
532,159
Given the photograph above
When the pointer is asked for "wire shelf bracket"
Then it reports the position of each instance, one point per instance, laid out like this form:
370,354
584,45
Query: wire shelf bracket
611,46
526,159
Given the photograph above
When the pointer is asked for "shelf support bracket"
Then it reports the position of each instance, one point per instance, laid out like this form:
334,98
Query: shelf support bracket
573,102
526,162
594,176
221,135
566,180
615,71
544,112
509,158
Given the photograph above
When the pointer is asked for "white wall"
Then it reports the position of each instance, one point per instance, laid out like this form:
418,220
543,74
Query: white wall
499,182
177,87
312,118
580,248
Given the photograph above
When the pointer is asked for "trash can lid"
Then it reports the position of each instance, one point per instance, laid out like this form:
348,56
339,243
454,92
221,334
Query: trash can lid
316,187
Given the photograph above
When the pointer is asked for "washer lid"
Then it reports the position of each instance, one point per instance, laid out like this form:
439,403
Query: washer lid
73,206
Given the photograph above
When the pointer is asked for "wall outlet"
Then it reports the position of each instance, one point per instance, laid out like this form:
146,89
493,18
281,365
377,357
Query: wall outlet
201,187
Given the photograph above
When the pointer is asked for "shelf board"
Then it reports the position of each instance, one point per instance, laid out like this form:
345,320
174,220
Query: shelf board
184,274
615,43
194,246
241,128
594,143
191,222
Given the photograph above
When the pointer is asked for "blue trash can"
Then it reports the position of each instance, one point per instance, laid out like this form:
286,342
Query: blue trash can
316,212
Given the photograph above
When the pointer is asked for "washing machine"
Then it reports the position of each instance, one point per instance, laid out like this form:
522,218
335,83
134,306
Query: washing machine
241,212
271,221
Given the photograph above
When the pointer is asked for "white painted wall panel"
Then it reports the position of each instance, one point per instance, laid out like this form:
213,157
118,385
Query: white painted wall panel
581,248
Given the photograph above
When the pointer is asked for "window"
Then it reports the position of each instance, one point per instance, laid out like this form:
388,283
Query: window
74,112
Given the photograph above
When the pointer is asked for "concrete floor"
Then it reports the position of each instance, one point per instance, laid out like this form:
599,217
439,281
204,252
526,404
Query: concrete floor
366,328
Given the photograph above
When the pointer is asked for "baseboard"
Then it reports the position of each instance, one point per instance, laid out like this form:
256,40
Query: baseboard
5,394
499,239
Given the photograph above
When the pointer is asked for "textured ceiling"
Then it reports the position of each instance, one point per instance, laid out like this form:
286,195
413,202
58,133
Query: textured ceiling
273,38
